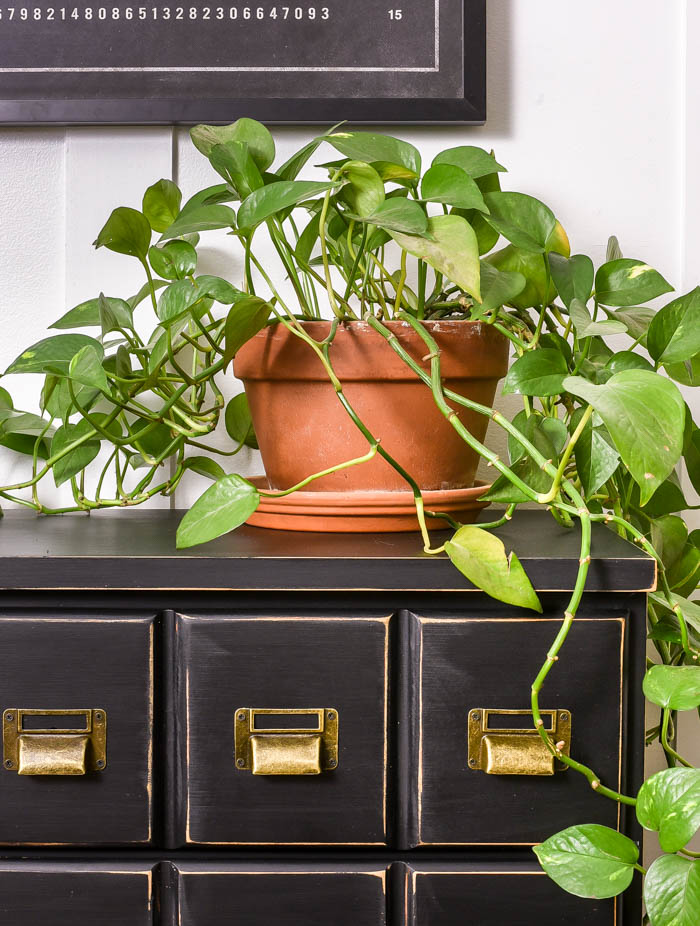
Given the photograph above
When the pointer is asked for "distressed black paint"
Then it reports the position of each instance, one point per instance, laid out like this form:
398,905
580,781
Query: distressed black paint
332,598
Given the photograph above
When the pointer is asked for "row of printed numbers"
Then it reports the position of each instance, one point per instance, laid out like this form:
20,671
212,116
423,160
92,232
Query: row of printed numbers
65,14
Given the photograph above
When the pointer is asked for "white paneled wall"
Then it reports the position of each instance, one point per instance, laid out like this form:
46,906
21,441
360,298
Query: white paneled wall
588,108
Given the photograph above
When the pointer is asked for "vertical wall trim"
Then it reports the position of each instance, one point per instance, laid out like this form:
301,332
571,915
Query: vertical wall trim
690,189
689,200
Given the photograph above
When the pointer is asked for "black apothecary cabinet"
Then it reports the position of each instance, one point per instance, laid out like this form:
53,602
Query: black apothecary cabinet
302,729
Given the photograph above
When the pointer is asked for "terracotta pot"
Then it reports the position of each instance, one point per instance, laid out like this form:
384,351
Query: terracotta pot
302,428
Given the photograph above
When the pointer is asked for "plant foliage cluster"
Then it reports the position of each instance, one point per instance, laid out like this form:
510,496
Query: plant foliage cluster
601,435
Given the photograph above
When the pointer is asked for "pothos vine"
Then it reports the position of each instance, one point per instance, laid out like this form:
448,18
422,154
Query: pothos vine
599,439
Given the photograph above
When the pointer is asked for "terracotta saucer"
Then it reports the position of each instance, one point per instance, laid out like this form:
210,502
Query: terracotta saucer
360,512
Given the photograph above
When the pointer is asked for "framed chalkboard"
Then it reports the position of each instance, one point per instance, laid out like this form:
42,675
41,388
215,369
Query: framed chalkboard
166,61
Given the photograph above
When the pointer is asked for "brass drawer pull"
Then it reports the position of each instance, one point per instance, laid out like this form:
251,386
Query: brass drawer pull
306,744
32,746
498,745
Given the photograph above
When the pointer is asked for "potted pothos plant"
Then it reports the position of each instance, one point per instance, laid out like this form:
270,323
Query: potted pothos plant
429,267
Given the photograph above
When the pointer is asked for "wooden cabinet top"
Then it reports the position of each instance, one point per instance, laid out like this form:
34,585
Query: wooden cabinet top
133,550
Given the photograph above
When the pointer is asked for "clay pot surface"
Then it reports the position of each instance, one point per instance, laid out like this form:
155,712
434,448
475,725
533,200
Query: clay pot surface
302,428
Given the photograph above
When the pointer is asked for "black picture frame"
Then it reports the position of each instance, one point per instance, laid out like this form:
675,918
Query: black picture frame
34,98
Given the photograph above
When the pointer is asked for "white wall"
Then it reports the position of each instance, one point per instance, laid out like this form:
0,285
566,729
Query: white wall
593,106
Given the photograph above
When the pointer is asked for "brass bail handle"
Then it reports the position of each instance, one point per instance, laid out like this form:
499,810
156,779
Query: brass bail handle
302,741
36,742
501,742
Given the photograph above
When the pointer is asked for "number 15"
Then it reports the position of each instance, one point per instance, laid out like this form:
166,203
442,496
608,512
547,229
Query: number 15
395,14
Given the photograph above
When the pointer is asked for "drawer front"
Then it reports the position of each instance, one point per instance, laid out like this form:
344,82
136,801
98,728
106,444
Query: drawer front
93,677
262,895
75,894
308,788
466,666
516,894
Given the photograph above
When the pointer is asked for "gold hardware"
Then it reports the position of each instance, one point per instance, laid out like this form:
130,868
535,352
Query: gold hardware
499,749
77,747
286,750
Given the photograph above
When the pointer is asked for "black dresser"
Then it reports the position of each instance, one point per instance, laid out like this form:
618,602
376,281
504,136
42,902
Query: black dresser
283,729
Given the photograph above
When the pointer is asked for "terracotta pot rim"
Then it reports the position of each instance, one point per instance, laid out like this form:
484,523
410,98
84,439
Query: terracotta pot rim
390,322
470,350
363,509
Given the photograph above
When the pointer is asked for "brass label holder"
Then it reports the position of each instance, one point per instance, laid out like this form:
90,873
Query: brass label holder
304,742
502,747
73,748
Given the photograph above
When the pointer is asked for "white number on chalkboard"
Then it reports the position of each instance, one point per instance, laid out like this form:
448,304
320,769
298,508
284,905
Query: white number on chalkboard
395,14
131,13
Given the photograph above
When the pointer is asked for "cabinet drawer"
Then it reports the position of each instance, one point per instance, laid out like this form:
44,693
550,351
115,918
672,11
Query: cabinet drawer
289,895
466,667
491,895
243,783
92,678
75,894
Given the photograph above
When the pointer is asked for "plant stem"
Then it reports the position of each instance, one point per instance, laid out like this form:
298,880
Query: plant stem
402,283
365,458
324,248
665,743
435,382
548,497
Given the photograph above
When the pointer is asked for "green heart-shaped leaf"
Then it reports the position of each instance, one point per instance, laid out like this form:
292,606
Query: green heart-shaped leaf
589,860
451,248
674,687
369,147
587,328
204,466
400,215
573,277
88,315
674,332
645,415
523,220
219,289
672,891
482,558
126,231
498,287
239,422
161,204
177,299
250,132
174,260
270,199
245,319
86,368
445,183
364,191
222,508
52,354
538,372
475,161
596,459
201,218
627,282
77,459
669,803
233,161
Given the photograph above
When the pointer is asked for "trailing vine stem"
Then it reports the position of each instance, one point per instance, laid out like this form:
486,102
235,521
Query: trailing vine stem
436,385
